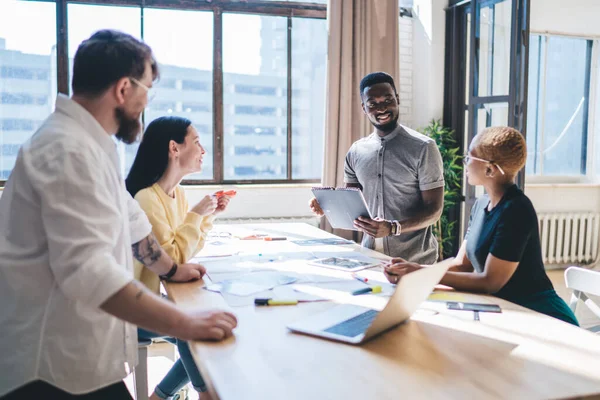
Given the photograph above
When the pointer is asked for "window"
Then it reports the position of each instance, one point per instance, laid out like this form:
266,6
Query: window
83,21
254,150
194,107
257,172
203,129
308,96
162,107
256,110
168,83
249,114
195,85
10,149
27,56
11,124
24,73
558,104
172,48
254,130
23,98
261,90
254,73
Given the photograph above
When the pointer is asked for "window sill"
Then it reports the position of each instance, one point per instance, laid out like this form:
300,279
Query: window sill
561,185
251,186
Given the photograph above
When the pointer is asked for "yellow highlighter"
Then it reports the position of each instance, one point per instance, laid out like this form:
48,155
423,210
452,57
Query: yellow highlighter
271,302
371,289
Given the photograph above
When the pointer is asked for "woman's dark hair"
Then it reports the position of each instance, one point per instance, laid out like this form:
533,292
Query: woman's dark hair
152,157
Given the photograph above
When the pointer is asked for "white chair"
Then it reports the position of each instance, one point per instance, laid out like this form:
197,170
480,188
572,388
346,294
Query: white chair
140,373
584,282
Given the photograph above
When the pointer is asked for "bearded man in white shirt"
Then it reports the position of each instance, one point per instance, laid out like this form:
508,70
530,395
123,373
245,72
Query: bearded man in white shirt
67,224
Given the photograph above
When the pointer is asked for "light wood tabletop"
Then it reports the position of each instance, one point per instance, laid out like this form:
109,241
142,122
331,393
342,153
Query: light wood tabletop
437,354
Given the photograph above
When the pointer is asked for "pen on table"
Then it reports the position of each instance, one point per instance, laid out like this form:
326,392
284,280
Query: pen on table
272,238
370,289
364,280
271,302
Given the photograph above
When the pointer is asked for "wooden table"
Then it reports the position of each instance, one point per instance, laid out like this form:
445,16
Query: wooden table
438,354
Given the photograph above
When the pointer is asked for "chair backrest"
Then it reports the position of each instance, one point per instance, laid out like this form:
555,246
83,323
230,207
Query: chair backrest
583,282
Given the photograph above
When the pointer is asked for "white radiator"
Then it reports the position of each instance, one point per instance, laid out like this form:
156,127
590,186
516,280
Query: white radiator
569,238
314,221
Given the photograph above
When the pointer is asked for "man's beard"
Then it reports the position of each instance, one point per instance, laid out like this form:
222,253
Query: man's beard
387,128
129,128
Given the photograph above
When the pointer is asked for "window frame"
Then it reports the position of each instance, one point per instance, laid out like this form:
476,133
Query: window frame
217,7
593,80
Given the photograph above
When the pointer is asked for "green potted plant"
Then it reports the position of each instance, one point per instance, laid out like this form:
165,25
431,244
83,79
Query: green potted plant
444,229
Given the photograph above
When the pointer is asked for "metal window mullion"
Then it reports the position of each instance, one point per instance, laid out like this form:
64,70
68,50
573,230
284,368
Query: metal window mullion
591,165
62,43
289,98
491,51
537,102
218,97
473,71
473,94
586,109
542,133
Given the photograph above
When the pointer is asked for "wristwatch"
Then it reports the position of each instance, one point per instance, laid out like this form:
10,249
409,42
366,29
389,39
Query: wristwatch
396,228
169,274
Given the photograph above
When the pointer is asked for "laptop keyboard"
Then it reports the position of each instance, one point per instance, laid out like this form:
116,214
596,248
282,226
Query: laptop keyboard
354,326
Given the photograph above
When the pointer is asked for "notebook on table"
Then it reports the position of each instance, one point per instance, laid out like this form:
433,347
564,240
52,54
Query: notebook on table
342,206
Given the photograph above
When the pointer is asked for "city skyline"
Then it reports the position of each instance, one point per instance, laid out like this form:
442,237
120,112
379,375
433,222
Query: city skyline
255,105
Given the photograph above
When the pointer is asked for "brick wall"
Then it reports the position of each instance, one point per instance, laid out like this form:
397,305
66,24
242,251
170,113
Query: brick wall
405,85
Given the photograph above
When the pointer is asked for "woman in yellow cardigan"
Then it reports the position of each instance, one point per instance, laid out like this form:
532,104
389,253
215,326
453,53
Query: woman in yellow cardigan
171,149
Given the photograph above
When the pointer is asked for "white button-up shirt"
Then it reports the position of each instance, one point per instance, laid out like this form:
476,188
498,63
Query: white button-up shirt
66,228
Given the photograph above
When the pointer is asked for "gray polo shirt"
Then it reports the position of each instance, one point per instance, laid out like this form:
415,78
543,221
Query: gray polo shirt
393,171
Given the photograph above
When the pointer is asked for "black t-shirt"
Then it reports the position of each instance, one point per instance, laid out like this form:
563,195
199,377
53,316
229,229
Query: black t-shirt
509,232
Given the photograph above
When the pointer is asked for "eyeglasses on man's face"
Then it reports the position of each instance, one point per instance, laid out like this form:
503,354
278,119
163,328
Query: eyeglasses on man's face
150,91
467,158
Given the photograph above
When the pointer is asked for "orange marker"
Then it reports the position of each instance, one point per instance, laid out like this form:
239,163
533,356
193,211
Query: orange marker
230,193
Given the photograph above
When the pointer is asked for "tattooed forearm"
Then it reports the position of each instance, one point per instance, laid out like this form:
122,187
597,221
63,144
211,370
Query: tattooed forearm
147,251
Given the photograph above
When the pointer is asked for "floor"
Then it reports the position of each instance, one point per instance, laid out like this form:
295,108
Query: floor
160,354
160,360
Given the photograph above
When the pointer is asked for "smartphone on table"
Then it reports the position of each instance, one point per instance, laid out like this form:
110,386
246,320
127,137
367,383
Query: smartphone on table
454,305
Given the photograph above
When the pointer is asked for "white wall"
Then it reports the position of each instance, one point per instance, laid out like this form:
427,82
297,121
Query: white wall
256,201
573,17
405,81
259,201
564,197
429,33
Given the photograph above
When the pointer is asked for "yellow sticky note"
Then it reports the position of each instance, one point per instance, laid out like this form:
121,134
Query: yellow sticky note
446,296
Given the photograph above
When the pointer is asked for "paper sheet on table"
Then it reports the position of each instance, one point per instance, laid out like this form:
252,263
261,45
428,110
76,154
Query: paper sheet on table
373,275
446,296
248,284
286,292
321,242
245,262
343,286
354,255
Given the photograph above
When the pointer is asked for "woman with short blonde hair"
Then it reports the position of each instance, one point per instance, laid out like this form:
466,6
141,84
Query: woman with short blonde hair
501,252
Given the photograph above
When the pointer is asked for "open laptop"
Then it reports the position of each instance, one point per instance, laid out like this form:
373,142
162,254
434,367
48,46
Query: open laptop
355,324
